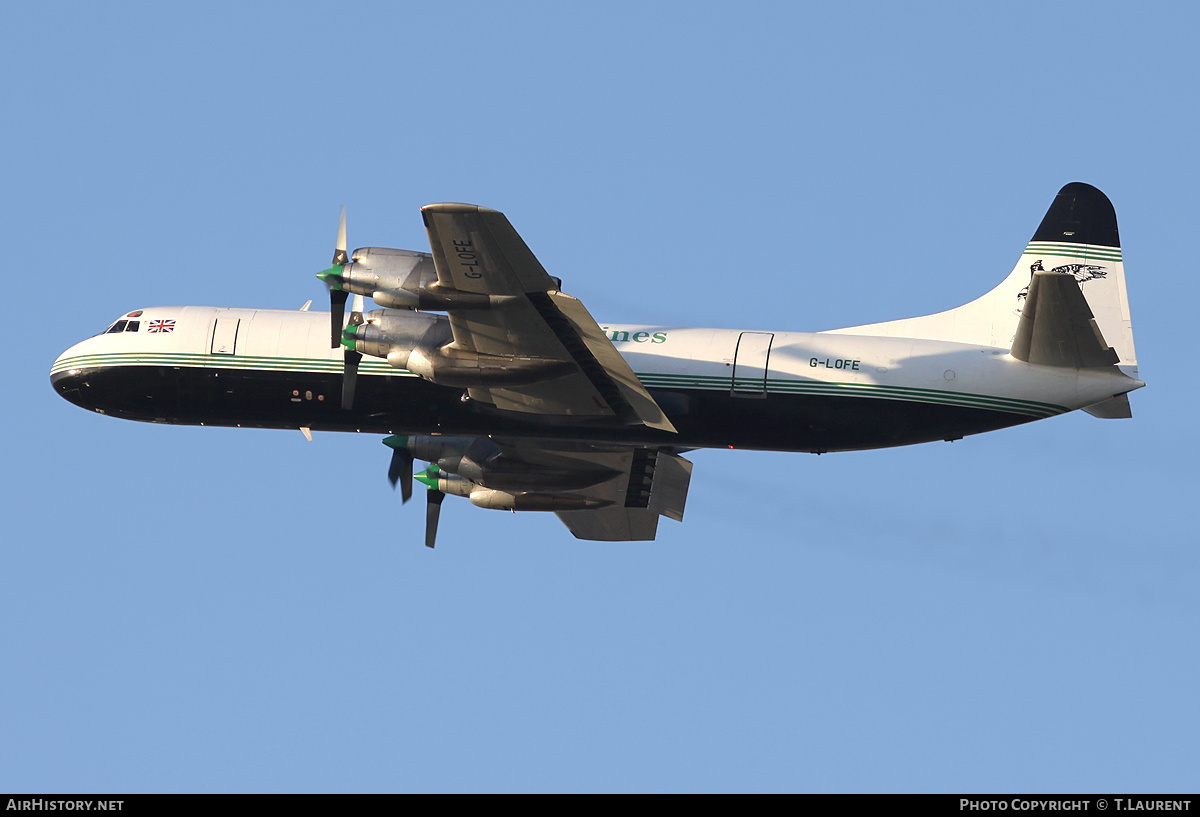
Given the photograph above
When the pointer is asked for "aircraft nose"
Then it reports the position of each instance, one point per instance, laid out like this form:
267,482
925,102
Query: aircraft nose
69,384
67,378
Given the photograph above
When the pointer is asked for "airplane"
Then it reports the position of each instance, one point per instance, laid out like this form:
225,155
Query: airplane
477,362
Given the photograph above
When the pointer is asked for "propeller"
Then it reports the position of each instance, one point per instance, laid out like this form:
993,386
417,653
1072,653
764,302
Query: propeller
337,314
401,467
400,470
333,279
433,509
433,502
352,355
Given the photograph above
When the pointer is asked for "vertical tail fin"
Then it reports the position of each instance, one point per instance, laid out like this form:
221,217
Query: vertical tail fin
1057,328
1078,236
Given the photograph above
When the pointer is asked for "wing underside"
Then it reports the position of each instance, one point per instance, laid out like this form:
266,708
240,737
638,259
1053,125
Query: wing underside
655,484
607,493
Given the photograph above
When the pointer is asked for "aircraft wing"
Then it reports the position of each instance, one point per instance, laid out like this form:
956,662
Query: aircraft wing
647,483
635,516
476,250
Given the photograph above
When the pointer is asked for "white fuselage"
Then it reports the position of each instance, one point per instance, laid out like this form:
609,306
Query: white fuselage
741,367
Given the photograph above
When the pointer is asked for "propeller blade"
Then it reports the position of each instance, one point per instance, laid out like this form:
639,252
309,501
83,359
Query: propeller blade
433,510
352,357
400,471
349,378
333,279
339,253
337,314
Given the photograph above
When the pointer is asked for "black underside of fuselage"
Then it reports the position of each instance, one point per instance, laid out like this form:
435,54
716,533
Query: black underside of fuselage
409,405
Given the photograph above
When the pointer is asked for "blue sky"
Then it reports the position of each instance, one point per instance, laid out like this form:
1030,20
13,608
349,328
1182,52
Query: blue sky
198,609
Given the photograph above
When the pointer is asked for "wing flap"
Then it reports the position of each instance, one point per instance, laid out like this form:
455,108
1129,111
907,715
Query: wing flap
656,484
672,475
605,368
647,483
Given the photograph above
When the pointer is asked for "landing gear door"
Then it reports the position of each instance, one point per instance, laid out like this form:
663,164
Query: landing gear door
224,337
750,364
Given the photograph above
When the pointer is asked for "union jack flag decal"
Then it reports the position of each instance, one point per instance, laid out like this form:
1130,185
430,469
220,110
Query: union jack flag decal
161,326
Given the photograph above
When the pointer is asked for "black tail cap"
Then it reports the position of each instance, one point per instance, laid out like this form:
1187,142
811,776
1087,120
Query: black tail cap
1080,214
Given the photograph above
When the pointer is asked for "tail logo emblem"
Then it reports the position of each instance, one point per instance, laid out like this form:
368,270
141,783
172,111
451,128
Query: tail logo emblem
1082,272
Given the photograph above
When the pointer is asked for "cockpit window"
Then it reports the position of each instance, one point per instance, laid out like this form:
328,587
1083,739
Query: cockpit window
119,326
133,326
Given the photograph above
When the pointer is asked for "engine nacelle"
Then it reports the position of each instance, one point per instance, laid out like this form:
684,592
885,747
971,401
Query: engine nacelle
438,448
481,461
388,332
390,277
448,366
450,484
405,279
423,344
504,501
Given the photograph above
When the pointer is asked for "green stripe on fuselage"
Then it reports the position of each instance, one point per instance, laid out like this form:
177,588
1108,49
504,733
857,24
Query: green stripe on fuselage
651,380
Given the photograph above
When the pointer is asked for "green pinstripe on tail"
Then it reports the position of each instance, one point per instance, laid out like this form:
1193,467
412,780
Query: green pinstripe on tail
1065,250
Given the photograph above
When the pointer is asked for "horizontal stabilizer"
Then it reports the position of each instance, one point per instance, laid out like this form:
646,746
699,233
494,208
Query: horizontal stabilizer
1057,327
1115,408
